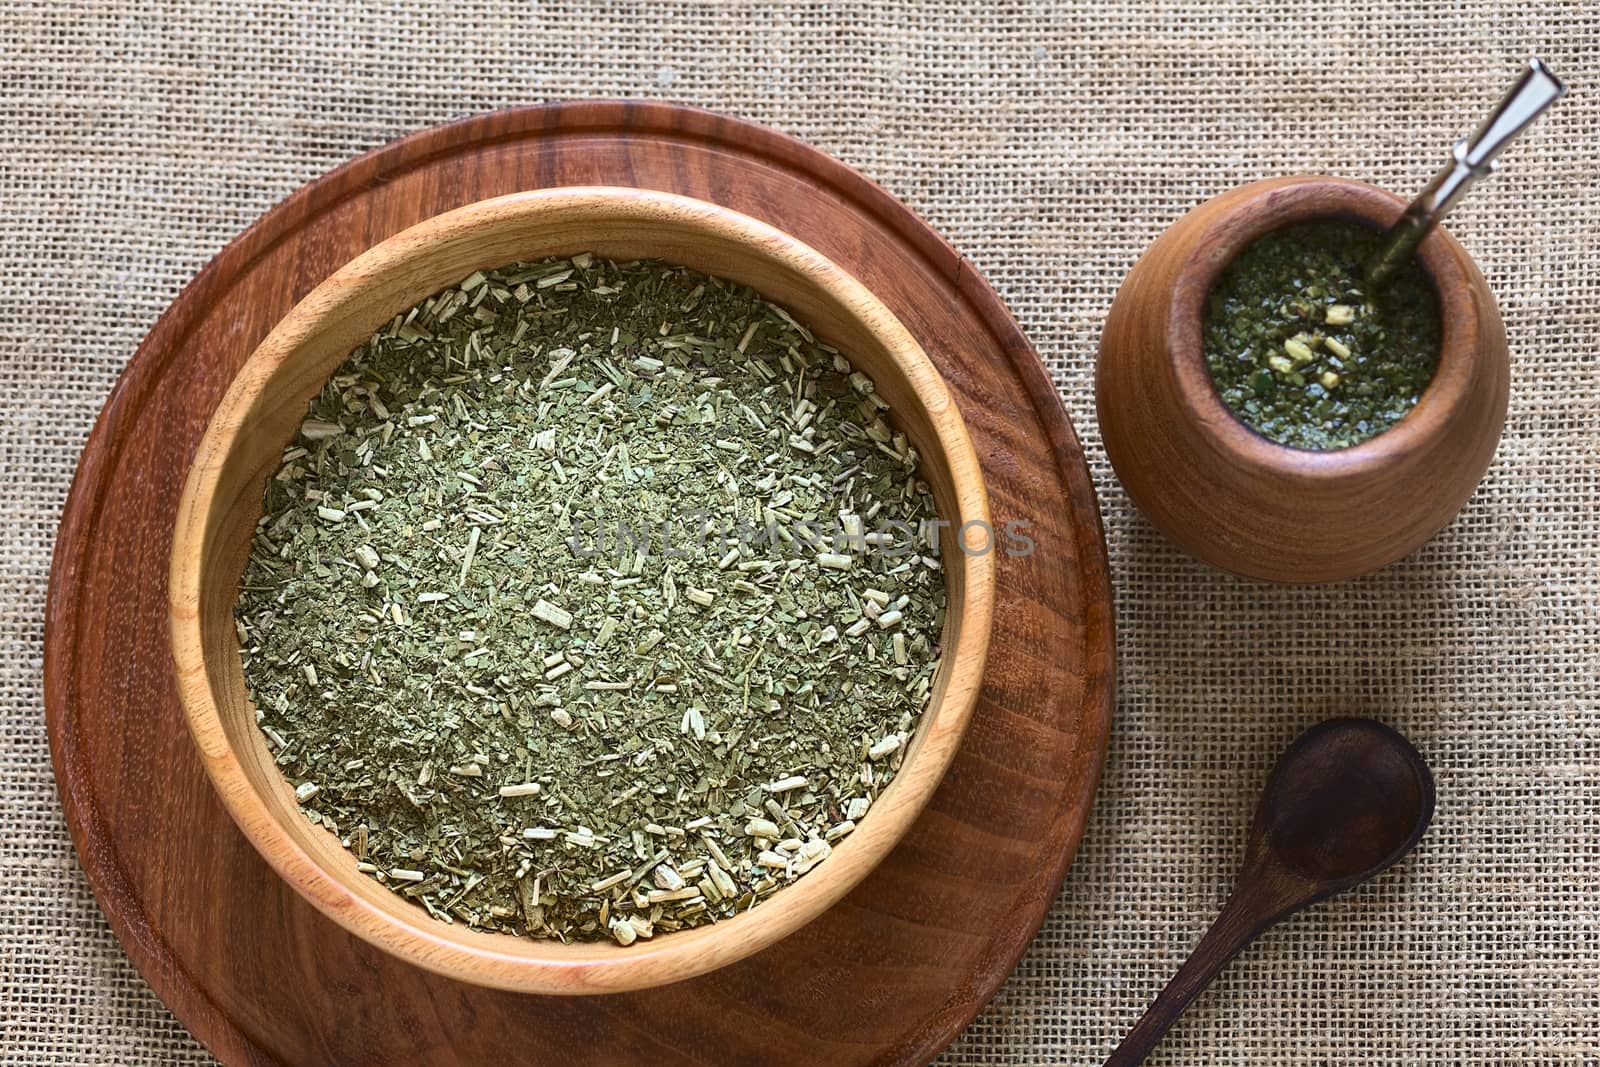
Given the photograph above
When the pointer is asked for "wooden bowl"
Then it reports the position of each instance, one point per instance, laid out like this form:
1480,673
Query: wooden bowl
1250,505
261,412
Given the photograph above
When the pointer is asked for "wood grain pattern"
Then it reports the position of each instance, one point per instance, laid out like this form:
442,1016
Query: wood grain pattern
890,974
1249,505
260,416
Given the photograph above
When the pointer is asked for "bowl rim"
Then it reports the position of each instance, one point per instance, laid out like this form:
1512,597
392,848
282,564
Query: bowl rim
531,965
1270,205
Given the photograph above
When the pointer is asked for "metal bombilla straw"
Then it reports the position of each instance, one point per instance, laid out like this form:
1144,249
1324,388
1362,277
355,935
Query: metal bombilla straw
1473,158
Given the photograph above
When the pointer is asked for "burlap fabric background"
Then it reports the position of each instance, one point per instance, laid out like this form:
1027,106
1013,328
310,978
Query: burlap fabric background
1050,142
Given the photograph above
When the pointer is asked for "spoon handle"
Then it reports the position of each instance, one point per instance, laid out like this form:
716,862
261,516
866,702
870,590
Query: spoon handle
1254,906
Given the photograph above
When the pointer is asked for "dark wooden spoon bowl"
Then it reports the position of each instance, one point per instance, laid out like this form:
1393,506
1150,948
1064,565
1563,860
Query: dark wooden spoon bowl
1346,801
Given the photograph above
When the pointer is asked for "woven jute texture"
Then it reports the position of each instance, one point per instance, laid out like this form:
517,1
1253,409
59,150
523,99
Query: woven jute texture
1051,143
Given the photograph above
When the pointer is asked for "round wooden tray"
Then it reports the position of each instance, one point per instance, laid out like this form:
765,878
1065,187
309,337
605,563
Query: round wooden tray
892,973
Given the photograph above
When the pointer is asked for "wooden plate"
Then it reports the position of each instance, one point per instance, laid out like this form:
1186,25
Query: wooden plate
894,972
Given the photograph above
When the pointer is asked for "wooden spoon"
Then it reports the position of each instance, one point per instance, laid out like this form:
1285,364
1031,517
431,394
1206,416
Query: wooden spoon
1344,803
